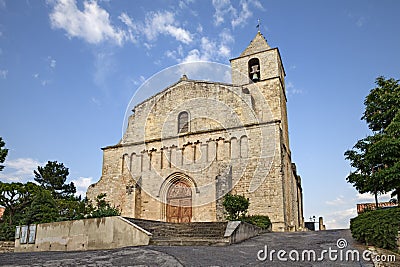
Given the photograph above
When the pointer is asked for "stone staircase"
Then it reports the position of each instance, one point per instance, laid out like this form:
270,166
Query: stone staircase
184,234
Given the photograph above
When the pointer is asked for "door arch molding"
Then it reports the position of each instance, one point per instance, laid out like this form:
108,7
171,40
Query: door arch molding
170,182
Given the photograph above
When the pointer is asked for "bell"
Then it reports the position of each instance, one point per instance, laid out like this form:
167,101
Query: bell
254,68
255,77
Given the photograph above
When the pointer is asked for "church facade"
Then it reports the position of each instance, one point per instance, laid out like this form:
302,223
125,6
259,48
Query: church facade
187,146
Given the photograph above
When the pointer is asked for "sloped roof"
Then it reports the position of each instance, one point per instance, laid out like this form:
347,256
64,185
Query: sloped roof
258,44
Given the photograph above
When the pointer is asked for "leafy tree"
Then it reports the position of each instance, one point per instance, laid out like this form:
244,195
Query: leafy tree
364,177
53,177
43,209
387,151
52,200
72,208
236,206
3,153
376,158
15,197
382,104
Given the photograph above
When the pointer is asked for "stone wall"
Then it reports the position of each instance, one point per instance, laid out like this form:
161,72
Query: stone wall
6,246
87,234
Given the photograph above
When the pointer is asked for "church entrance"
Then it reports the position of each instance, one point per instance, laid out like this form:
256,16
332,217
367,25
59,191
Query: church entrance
179,203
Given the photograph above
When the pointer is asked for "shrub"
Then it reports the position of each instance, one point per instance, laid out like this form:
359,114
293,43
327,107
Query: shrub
261,221
103,208
236,206
379,227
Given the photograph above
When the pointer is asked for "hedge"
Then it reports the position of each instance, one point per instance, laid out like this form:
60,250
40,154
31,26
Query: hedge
379,227
258,220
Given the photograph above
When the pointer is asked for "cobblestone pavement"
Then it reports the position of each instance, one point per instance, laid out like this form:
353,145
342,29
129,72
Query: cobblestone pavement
243,254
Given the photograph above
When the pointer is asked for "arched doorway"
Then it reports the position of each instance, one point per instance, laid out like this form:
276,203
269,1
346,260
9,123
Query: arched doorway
179,203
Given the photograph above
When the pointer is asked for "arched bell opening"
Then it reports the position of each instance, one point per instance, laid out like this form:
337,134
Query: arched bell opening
254,69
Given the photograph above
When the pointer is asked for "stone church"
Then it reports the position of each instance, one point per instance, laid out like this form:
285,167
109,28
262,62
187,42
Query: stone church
190,144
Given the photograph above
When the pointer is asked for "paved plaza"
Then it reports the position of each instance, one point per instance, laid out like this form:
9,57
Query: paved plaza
243,254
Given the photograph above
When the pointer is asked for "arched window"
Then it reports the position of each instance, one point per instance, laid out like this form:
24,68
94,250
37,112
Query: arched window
183,122
254,69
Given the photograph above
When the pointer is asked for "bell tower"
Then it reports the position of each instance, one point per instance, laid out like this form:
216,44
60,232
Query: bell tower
259,68
258,62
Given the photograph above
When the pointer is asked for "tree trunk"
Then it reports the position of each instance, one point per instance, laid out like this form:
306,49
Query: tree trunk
376,200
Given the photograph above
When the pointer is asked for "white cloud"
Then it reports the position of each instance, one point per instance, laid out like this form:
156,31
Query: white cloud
292,90
199,28
185,3
92,24
104,66
52,62
3,74
45,82
339,201
23,166
222,7
360,21
211,49
96,101
157,23
339,219
131,27
82,184
194,55
370,198
238,15
244,14
19,170
164,23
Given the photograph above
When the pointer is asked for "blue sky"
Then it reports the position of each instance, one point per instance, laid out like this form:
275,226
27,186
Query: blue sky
68,70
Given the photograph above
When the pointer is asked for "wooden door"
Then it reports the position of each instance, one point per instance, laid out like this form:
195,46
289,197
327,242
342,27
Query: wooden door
179,203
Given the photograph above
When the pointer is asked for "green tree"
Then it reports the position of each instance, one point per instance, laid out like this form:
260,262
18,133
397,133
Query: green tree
3,153
15,197
386,150
382,104
376,158
72,208
364,177
236,206
52,177
102,209
43,209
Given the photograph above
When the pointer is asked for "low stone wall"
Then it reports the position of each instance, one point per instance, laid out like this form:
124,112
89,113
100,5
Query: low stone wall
238,231
87,234
6,246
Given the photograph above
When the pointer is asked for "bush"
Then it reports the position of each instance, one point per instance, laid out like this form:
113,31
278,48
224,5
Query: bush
379,227
261,221
236,206
103,208
7,232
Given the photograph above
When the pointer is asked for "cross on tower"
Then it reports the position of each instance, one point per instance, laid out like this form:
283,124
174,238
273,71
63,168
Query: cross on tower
258,25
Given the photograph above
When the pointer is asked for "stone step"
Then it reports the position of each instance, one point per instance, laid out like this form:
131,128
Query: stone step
189,242
196,233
